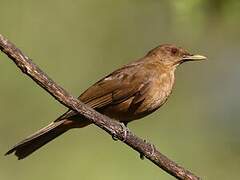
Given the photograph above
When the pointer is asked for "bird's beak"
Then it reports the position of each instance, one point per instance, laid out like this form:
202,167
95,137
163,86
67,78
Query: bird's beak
194,58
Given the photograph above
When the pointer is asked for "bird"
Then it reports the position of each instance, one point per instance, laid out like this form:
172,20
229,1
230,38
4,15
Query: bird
129,93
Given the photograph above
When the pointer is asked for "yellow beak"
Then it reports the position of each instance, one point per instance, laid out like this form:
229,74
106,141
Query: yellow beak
194,58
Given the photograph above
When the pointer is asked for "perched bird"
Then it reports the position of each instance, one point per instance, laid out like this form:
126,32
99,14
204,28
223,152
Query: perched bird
129,93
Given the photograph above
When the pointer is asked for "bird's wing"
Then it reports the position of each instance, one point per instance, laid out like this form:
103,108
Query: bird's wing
115,88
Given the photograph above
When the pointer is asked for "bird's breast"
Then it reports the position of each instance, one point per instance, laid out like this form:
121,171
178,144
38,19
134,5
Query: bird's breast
158,94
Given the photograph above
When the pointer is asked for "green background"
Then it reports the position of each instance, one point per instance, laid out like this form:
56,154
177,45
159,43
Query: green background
78,42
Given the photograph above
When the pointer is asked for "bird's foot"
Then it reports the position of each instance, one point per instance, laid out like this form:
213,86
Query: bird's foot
124,129
114,137
152,151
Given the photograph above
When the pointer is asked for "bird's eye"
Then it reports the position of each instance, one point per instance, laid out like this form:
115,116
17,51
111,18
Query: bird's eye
174,50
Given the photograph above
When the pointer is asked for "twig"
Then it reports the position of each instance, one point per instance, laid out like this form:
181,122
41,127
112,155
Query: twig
114,128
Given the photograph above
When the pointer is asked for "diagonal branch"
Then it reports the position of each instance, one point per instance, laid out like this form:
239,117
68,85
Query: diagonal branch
112,127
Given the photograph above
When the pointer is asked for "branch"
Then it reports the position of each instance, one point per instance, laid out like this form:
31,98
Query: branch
112,127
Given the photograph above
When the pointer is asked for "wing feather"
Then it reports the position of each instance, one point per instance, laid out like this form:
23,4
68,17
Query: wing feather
114,89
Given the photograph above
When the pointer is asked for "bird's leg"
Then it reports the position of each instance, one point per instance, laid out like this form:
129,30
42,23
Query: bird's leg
125,123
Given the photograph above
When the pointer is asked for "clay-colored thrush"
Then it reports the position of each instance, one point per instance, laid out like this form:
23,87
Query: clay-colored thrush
129,93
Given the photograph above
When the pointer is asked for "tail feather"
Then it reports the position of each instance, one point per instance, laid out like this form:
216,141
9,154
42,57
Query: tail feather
38,139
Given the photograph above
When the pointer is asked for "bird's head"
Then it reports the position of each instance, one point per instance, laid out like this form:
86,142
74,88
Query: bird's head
171,55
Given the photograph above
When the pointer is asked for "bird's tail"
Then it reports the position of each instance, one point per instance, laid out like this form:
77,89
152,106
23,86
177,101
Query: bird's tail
42,137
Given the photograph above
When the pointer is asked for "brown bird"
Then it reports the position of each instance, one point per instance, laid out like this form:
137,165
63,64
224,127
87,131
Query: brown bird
129,93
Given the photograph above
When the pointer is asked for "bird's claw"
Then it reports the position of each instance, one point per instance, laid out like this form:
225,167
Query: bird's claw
114,137
124,129
152,151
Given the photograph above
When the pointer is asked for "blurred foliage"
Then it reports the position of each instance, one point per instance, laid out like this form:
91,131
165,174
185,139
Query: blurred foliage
77,42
